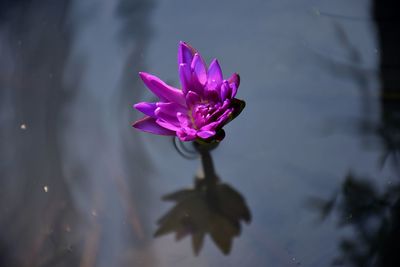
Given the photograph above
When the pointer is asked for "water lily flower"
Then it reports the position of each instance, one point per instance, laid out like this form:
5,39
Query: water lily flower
200,109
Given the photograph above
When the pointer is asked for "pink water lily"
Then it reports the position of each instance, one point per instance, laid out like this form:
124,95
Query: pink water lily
199,111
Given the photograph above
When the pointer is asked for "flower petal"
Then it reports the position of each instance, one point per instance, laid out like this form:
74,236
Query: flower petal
186,134
146,108
214,74
192,98
199,69
205,134
234,82
166,117
185,76
235,79
226,91
185,53
167,125
161,89
184,120
170,108
149,125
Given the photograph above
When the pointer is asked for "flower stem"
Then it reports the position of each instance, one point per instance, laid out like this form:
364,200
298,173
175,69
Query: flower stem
210,177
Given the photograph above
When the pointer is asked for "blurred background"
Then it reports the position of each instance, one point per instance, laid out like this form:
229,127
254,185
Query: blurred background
314,155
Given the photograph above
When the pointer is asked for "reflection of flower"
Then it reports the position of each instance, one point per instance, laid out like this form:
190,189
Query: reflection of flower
199,111
210,208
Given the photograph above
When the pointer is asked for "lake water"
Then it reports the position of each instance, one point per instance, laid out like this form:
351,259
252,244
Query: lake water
314,155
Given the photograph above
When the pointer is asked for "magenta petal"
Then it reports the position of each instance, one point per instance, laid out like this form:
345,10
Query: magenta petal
149,125
185,76
186,134
146,108
205,134
234,82
226,91
192,98
185,53
170,108
235,79
161,89
214,74
234,90
167,125
167,117
199,69
183,119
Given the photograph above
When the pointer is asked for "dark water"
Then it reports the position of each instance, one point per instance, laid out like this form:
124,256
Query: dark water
312,163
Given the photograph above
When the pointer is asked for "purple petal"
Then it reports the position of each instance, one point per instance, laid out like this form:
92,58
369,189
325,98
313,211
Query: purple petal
183,119
205,134
226,91
146,108
234,90
170,108
161,89
220,110
185,53
199,69
185,76
214,74
234,82
149,125
186,134
167,125
235,79
167,116
192,98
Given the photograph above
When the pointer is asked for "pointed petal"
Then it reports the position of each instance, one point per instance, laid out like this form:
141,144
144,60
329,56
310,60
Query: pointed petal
199,69
149,125
167,125
235,78
234,90
161,89
192,98
146,108
170,108
214,74
185,76
205,134
234,82
185,53
226,91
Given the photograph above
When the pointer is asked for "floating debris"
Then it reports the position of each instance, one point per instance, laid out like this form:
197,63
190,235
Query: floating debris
23,126
46,188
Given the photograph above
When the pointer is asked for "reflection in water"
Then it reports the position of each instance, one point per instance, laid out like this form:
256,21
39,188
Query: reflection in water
69,191
211,207
36,206
373,212
375,217
387,24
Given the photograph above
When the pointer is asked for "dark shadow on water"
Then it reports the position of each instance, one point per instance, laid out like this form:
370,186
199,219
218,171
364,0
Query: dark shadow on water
387,21
210,207
373,214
